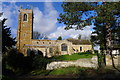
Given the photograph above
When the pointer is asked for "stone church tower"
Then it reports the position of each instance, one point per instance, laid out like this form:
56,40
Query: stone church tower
27,45
25,28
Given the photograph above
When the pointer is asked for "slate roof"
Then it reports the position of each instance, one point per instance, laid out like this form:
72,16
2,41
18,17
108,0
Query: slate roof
79,42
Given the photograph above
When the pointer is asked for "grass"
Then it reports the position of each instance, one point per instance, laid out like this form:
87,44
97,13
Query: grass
40,72
61,71
64,71
74,56
79,71
67,70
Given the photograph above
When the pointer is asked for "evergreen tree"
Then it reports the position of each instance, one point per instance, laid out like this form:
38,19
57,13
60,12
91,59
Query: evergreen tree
7,40
59,38
79,37
37,35
46,37
1,34
104,16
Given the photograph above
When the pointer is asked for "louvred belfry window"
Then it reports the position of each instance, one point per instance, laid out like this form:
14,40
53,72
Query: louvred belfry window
25,17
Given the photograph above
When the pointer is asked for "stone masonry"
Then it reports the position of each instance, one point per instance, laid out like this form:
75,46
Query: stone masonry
26,43
86,62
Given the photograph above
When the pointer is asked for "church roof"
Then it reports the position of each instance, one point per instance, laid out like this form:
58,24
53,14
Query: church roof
115,46
79,42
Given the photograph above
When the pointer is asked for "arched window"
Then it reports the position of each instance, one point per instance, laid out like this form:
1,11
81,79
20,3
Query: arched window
80,48
25,17
63,47
50,50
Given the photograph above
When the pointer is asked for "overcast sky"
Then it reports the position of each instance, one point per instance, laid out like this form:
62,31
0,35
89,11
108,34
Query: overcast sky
45,19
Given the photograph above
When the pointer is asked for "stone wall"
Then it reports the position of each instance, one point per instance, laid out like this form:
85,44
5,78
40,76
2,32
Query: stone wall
87,62
109,61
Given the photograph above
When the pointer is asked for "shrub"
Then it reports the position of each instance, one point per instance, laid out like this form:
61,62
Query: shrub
12,59
40,62
89,52
17,62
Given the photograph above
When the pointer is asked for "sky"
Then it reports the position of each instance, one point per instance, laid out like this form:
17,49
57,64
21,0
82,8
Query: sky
45,19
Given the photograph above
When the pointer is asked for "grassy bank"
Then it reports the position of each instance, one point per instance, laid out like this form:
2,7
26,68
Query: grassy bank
80,71
61,71
74,56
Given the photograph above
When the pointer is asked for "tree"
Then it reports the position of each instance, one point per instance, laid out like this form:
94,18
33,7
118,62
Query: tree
7,40
92,42
73,15
79,37
105,28
37,35
1,34
59,38
104,16
17,62
40,62
45,37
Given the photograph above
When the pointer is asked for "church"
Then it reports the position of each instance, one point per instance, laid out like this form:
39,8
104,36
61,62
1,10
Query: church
26,43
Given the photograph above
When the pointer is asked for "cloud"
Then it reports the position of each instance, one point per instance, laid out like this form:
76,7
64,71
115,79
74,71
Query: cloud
11,13
45,22
71,33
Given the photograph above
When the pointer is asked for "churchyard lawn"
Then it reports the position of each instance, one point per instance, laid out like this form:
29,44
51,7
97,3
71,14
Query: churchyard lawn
74,56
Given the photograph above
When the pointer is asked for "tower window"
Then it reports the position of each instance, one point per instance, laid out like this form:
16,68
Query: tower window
25,17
